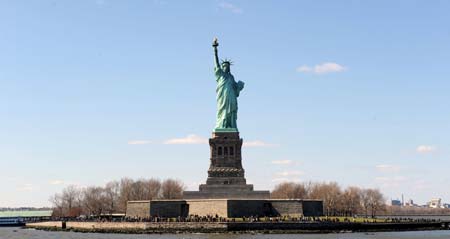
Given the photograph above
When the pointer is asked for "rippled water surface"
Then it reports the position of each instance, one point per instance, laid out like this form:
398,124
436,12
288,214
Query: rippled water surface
17,233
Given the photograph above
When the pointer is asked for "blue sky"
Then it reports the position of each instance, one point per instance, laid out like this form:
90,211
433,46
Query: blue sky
348,91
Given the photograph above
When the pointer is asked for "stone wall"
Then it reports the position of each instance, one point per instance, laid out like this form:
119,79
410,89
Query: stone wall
312,208
166,208
224,194
215,227
138,209
234,208
246,208
134,227
208,207
228,208
293,208
106,225
56,224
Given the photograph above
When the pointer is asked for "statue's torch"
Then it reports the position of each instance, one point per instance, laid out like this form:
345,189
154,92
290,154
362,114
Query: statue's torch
215,42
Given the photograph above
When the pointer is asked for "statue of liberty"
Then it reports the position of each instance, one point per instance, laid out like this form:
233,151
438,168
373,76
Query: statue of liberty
227,92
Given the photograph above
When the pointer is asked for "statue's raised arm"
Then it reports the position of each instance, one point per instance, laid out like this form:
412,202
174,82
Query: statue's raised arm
216,55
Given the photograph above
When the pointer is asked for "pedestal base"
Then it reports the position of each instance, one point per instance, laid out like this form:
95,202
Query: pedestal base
226,179
232,194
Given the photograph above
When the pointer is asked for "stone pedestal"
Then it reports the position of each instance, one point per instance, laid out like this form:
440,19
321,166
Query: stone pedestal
225,174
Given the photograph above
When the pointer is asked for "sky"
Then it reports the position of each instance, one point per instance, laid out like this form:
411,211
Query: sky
355,92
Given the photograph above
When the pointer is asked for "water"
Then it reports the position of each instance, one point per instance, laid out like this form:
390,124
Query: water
17,233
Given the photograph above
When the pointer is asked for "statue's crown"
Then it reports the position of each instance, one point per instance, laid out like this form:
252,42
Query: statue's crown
227,61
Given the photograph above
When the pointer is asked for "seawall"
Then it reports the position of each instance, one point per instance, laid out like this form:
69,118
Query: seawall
132,227
222,227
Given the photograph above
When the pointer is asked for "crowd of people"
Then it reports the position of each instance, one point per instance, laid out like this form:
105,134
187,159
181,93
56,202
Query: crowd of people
216,218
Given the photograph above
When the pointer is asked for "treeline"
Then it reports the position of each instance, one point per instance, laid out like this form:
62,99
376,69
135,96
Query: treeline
112,198
415,210
337,201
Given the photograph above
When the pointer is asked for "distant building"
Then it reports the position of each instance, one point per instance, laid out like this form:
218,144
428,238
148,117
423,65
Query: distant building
446,205
435,203
402,203
27,215
410,203
396,202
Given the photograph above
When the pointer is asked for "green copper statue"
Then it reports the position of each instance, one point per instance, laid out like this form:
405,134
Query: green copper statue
227,92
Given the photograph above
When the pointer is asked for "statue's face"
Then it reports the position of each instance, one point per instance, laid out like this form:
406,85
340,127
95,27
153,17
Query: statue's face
226,67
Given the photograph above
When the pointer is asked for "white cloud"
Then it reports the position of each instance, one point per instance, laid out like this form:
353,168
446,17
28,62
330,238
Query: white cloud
426,148
138,142
289,173
257,143
285,179
190,139
382,179
26,187
324,68
287,176
56,182
11,179
231,7
276,180
387,168
304,68
283,162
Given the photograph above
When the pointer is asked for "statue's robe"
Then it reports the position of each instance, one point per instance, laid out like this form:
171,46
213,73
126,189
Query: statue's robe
227,92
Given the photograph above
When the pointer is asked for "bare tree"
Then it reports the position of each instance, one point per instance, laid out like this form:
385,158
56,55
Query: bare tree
94,201
282,190
365,201
172,189
138,190
351,199
71,201
57,203
113,197
376,201
289,190
67,203
112,190
330,194
336,201
152,188
125,193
